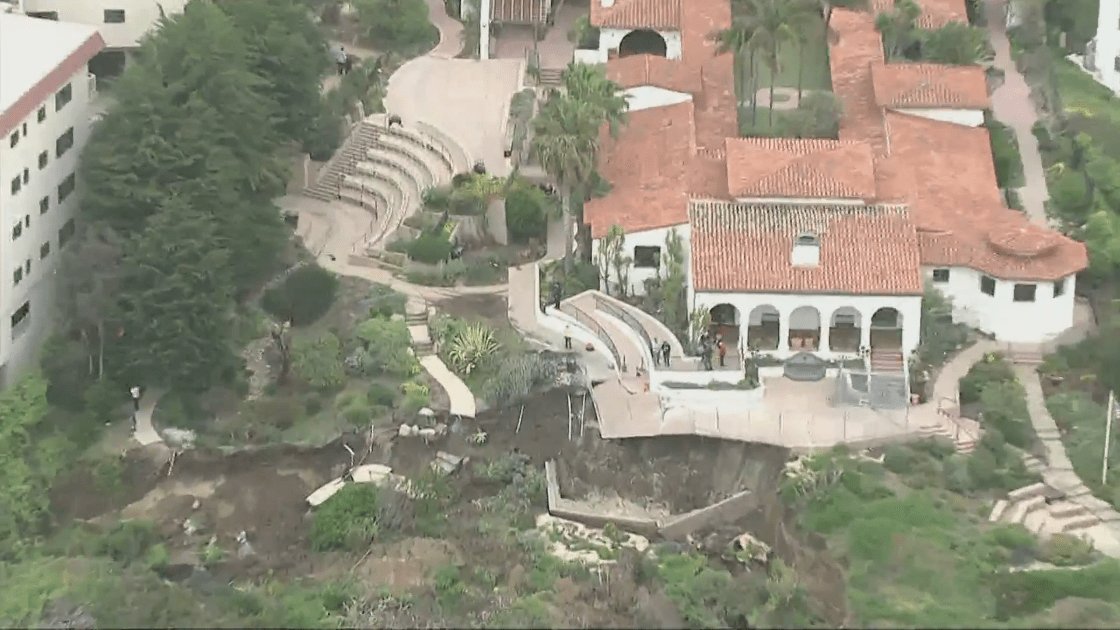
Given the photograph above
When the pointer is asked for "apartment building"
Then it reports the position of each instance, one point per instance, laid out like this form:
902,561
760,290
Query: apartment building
45,121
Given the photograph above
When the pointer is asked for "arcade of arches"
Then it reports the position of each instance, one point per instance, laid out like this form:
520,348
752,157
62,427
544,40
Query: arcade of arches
802,330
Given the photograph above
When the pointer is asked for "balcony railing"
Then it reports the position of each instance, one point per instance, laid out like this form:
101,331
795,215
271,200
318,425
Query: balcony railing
586,320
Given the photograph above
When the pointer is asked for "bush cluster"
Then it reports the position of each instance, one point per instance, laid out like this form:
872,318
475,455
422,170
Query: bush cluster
305,295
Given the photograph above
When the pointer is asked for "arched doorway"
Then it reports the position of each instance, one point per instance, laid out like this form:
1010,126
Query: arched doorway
804,329
643,41
844,330
886,329
725,322
764,328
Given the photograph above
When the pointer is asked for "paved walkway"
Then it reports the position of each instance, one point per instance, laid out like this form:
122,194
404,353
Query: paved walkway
450,31
1012,106
145,433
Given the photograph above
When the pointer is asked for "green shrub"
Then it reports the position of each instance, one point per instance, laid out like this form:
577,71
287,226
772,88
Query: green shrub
128,541
526,213
1027,592
347,520
1005,408
324,137
304,296
384,301
398,246
358,412
384,349
430,248
992,369
312,403
517,377
1005,155
1066,550
399,26
446,274
437,198
483,272
380,395
318,361
416,397
465,201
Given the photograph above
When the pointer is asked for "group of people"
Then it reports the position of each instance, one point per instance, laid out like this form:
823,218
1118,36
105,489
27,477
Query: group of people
710,346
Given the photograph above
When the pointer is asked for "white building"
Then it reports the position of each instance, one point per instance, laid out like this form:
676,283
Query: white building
811,245
1102,55
45,122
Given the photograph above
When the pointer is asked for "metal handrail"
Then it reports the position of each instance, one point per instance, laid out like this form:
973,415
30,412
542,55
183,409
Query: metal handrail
603,304
585,319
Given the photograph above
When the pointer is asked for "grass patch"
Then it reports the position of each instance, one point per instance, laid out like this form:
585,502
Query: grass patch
1081,422
1091,108
813,59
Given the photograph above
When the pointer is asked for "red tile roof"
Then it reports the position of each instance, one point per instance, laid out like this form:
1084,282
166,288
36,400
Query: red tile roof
51,83
652,14
903,85
865,250
639,70
650,164
520,11
935,13
780,167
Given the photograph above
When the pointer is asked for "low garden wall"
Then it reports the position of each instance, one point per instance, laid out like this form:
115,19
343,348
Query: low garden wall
732,508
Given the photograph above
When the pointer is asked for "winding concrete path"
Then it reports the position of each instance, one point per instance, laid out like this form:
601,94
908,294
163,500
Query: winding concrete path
1012,106
145,433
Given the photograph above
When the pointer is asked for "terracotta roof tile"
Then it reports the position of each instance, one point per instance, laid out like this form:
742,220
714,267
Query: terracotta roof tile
520,11
708,175
902,85
781,167
653,14
935,13
649,168
670,74
867,250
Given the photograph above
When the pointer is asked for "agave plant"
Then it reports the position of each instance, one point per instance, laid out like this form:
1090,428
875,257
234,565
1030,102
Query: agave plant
473,345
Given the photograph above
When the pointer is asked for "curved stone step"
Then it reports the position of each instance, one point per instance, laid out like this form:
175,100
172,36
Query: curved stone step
359,191
428,137
386,189
432,162
404,180
403,163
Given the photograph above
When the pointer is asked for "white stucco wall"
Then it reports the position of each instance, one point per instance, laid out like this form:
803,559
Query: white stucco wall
139,16
38,229
1106,45
966,117
648,97
609,39
1000,315
909,307
647,238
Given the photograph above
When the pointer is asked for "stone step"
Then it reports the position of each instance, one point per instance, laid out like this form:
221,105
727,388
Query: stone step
1020,509
1027,492
1035,521
1076,523
1066,509
997,510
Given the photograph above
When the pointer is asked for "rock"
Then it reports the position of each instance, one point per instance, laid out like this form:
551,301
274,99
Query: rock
754,549
197,504
191,527
426,413
408,430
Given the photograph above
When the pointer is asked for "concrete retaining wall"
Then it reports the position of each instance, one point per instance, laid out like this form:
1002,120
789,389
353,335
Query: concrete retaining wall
675,527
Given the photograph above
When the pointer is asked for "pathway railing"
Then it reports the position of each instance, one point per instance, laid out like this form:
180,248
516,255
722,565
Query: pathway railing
605,305
586,320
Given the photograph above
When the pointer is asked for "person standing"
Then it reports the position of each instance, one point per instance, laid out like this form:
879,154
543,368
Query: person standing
340,60
665,350
655,350
567,337
556,294
722,348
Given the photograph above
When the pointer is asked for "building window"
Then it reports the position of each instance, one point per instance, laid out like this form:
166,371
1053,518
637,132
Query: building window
16,185
43,158
63,96
940,275
647,257
114,16
17,230
26,175
1024,292
1060,287
44,250
17,276
66,187
44,204
64,142
65,232
42,113
21,316
14,139
987,285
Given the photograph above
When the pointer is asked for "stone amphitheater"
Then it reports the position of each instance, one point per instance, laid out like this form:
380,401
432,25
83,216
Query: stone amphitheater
382,172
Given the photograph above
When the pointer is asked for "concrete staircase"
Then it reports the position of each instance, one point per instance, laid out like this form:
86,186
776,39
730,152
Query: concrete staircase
386,170
416,318
1044,511
551,77
887,362
964,433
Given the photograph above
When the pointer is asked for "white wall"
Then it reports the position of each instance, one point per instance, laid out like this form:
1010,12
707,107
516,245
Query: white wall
1106,45
38,286
966,117
648,97
139,15
1000,315
638,275
609,39
910,308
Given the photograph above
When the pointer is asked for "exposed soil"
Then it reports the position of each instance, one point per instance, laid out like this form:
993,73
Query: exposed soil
491,308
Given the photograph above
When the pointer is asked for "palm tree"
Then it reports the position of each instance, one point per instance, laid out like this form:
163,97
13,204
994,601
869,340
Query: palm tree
957,44
740,40
899,28
590,85
803,20
775,24
566,144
